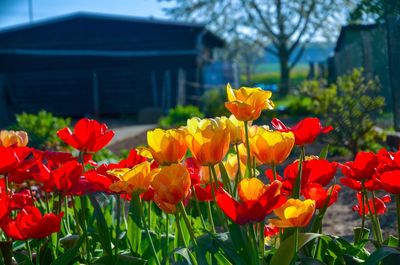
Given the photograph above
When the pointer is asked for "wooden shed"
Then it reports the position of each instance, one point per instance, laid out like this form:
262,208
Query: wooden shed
92,64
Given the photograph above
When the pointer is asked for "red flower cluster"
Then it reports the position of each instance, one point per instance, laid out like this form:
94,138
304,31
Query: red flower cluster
316,174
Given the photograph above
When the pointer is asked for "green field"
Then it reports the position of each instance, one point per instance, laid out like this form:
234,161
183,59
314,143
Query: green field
269,74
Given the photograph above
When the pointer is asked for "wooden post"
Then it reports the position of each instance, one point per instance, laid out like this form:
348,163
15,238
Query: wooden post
393,43
181,100
96,101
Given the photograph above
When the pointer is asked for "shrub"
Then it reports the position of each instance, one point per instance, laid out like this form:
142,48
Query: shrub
350,106
213,103
41,128
179,115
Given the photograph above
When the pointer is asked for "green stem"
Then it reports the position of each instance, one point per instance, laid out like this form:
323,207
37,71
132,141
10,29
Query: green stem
180,234
117,232
187,222
146,228
28,247
149,214
297,186
210,217
166,245
296,242
196,201
273,167
254,240
398,218
85,226
248,166
239,176
377,223
67,215
373,221
261,239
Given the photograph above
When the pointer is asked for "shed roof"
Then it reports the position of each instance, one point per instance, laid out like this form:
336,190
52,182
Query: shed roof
84,31
351,28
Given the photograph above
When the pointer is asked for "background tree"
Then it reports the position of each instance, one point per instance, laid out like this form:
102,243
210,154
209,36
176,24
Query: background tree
286,24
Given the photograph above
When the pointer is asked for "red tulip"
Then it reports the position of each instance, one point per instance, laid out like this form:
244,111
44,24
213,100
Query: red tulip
319,171
320,195
370,184
194,170
62,179
270,231
250,210
390,181
380,206
305,132
12,157
363,166
30,223
88,136
204,194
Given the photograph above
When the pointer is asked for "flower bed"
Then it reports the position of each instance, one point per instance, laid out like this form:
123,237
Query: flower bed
192,195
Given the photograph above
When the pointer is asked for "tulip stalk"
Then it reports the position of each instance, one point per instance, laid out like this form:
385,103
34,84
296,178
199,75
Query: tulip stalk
239,171
377,223
373,220
296,242
248,166
297,186
144,223
118,204
398,218
180,235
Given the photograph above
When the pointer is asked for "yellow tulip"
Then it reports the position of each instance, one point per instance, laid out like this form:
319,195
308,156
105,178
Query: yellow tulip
231,166
166,146
247,103
208,140
236,129
294,213
250,189
271,147
13,138
135,180
171,185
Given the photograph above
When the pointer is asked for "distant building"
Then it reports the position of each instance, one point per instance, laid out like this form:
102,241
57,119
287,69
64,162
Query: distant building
363,46
91,64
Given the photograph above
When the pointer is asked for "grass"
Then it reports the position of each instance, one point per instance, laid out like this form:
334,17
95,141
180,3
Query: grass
269,74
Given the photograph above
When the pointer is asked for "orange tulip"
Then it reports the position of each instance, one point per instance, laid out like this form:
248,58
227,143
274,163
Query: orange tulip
13,138
247,103
166,146
208,140
294,213
271,147
135,180
171,185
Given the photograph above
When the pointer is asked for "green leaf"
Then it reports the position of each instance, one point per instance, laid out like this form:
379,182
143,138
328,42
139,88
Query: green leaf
225,177
70,254
285,253
120,260
310,261
324,152
243,245
102,227
382,253
21,259
358,239
391,241
183,252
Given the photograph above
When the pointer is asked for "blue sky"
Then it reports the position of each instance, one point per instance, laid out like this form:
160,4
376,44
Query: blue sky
13,12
